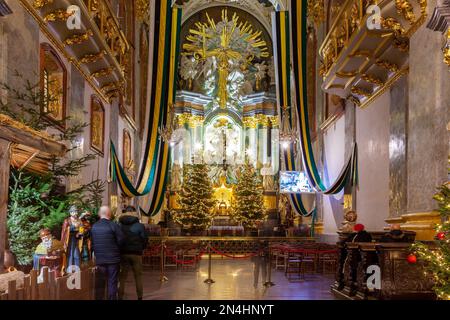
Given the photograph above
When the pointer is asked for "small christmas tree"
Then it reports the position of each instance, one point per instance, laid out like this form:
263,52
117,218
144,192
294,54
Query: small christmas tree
196,199
248,207
437,259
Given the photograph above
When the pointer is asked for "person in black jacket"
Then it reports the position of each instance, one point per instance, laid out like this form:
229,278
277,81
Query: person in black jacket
394,235
136,240
106,237
360,234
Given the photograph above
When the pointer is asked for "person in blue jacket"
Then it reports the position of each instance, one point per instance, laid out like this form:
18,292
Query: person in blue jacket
107,238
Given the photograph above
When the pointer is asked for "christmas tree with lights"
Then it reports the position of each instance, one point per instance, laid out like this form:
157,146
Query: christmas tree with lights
248,207
437,258
196,199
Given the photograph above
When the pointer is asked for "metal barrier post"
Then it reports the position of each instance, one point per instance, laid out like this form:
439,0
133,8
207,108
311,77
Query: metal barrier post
209,280
269,282
162,277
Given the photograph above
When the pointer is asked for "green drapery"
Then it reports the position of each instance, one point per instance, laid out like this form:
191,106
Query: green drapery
299,44
155,166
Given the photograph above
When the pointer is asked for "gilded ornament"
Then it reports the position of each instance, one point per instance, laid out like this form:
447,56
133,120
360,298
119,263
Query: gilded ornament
316,11
392,24
401,44
344,74
447,49
263,120
361,54
39,4
372,80
112,86
202,45
93,6
354,17
405,9
191,120
91,58
273,121
78,38
423,6
102,73
250,122
142,10
392,67
360,92
57,15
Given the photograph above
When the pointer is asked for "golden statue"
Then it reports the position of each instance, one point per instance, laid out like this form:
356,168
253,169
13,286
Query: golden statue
203,46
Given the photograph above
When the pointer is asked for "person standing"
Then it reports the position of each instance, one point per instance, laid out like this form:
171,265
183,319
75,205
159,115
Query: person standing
136,240
106,237
261,262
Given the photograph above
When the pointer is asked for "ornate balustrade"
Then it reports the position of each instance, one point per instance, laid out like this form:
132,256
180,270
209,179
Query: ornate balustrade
98,48
399,279
363,53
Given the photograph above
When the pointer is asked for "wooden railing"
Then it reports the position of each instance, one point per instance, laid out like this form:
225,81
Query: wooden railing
51,287
399,278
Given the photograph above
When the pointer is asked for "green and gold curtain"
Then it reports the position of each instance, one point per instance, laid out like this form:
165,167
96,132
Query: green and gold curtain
299,44
154,169
282,56
283,22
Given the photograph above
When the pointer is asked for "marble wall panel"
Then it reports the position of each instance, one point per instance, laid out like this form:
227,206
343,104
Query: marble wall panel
333,161
429,106
372,136
398,148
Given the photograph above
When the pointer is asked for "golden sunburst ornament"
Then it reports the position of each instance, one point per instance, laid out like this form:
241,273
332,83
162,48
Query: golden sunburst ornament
224,41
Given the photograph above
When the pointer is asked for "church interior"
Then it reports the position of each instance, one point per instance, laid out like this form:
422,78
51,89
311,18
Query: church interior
271,149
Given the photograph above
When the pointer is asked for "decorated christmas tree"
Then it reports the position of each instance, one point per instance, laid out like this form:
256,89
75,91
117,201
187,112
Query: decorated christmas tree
248,207
196,199
437,258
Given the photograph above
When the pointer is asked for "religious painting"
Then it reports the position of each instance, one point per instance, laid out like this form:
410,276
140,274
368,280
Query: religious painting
143,56
126,148
53,85
97,125
311,78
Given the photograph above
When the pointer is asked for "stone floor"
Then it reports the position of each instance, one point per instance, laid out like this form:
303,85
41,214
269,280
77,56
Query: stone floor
234,280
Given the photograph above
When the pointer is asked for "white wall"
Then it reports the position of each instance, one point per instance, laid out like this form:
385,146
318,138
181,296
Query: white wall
98,168
372,136
334,158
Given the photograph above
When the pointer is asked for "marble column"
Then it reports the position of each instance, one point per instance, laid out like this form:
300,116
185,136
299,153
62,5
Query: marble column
428,148
113,190
350,138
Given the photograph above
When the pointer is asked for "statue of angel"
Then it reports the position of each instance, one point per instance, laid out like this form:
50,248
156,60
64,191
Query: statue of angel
189,70
260,74
271,71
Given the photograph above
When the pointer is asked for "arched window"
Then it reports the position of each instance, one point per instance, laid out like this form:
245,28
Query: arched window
53,79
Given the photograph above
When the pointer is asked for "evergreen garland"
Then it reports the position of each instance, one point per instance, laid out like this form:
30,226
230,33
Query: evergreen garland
248,207
196,199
